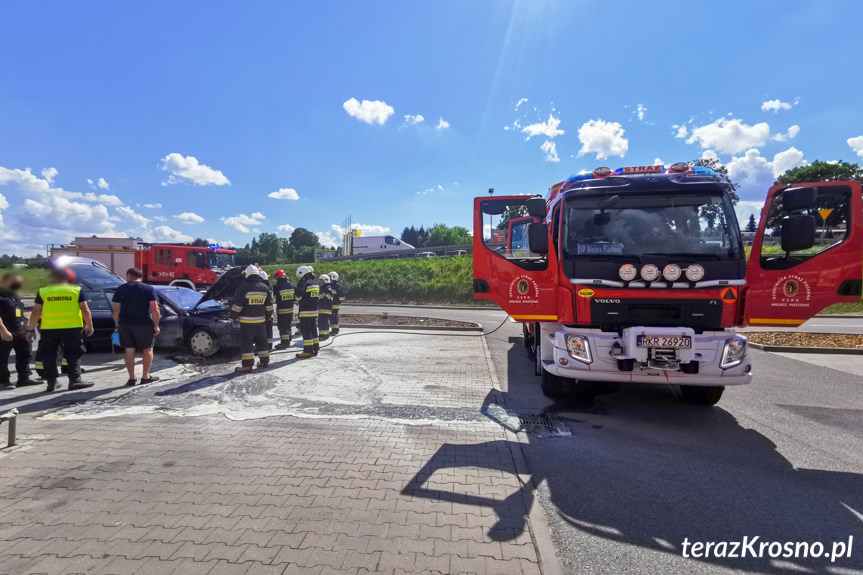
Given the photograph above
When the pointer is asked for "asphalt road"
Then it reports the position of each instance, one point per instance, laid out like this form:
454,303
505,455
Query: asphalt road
781,459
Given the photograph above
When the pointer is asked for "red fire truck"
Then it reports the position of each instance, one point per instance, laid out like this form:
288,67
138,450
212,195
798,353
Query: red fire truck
639,274
177,265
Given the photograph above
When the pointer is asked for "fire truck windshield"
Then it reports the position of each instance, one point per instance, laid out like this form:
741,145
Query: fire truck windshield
220,261
633,225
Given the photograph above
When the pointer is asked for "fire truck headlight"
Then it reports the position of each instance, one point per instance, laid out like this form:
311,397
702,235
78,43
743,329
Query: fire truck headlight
578,348
649,272
627,272
671,272
735,351
694,272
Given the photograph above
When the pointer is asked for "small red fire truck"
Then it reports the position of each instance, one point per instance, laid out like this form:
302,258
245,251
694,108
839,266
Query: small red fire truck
171,264
639,274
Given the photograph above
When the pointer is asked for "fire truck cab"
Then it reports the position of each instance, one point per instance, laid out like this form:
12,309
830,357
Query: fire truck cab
639,274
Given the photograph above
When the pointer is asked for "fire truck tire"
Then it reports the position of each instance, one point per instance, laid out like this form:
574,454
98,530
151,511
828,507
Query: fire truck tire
553,386
537,353
203,342
702,395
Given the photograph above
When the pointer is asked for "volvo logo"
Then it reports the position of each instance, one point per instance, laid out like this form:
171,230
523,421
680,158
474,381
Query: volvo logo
606,300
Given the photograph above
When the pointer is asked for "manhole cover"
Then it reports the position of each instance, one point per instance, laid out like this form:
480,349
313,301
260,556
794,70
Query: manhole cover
543,426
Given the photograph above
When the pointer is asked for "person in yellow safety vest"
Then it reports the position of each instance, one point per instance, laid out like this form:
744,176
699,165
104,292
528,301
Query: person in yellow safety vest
308,292
65,319
325,307
338,300
252,305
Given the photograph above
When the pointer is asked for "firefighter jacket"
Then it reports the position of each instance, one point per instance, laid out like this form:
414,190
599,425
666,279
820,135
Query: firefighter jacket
12,312
253,302
325,304
284,293
338,294
308,291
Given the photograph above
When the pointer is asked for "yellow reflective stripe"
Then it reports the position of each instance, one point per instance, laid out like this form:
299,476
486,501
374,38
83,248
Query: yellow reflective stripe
252,320
534,317
325,312
285,311
778,321
308,314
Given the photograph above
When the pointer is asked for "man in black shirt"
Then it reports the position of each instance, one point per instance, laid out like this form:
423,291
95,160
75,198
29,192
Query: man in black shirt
13,333
136,313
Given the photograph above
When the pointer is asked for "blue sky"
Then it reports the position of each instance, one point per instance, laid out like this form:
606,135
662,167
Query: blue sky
176,120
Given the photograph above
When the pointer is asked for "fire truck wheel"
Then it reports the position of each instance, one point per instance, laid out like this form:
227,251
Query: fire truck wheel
702,395
553,386
537,355
203,342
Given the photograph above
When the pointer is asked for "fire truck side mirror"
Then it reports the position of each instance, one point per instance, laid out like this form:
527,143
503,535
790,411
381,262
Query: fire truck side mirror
795,199
537,238
536,208
798,233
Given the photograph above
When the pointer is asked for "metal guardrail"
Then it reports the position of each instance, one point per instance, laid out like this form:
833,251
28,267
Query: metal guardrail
12,417
439,251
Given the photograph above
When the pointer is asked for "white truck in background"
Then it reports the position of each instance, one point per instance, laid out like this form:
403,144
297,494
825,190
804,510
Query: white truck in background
378,246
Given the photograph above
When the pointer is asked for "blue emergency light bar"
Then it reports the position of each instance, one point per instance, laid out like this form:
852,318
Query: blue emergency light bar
603,172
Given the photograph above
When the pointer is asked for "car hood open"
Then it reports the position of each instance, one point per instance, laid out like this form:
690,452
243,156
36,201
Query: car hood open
225,287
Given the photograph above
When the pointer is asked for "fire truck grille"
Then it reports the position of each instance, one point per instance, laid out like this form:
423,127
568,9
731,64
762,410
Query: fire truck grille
696,313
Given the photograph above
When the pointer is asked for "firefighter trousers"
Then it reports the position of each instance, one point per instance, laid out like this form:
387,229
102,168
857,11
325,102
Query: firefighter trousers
309,329
50,340
269,328
324,324
22,349
285,320
334,320
253,341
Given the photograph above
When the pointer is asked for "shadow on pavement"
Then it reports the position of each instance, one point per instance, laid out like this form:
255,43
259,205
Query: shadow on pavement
645,469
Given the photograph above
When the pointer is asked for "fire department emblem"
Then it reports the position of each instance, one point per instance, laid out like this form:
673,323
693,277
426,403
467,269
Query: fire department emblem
523,287
790,288
791,291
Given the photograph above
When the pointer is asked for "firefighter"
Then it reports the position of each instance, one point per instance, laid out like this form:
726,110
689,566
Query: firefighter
284,295
338,298
325,307
269,325
65,318
251,307
13,334
308,292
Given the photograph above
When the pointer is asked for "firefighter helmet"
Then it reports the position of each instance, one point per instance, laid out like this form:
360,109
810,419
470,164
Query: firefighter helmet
303,271
334,276
324,278
263,274
251,271
279,274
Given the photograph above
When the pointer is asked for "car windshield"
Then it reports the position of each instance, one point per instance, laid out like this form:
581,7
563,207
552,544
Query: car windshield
96,277
218,260
187,299
692,224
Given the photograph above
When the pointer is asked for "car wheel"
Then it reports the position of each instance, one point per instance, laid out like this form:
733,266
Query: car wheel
203,342
702,395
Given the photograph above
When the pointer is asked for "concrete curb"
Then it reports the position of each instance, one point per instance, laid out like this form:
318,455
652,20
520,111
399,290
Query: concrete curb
549,561
410,327
822,350
839,315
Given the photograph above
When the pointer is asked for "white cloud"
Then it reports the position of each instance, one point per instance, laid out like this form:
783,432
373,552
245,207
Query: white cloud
710,155
285,194
166,234
369,111
756,174
790,134
286,229
410,120
367,229
639,111
134,216
603,139
189,218
730,136
681,130
244,223
187,169
101,183
520,102
160,218
774,105
658,162
748,208
152,206
549,128
442,124
4,203
856,145
550,149
49,174
105,199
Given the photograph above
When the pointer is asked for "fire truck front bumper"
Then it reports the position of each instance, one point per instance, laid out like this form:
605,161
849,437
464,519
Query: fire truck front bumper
712,358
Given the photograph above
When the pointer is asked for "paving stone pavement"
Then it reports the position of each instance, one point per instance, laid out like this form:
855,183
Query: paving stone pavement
156,494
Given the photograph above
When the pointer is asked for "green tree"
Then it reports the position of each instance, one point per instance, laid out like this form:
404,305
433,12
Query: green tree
819,171
301,237
199,243
713,212
269,248
441,235
511,213
751,225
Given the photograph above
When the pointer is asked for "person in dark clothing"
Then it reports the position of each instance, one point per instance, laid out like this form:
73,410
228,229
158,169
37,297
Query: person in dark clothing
13,334
284,296
325,307
270,320
252,305
308,293
338,299
136,315
65,318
